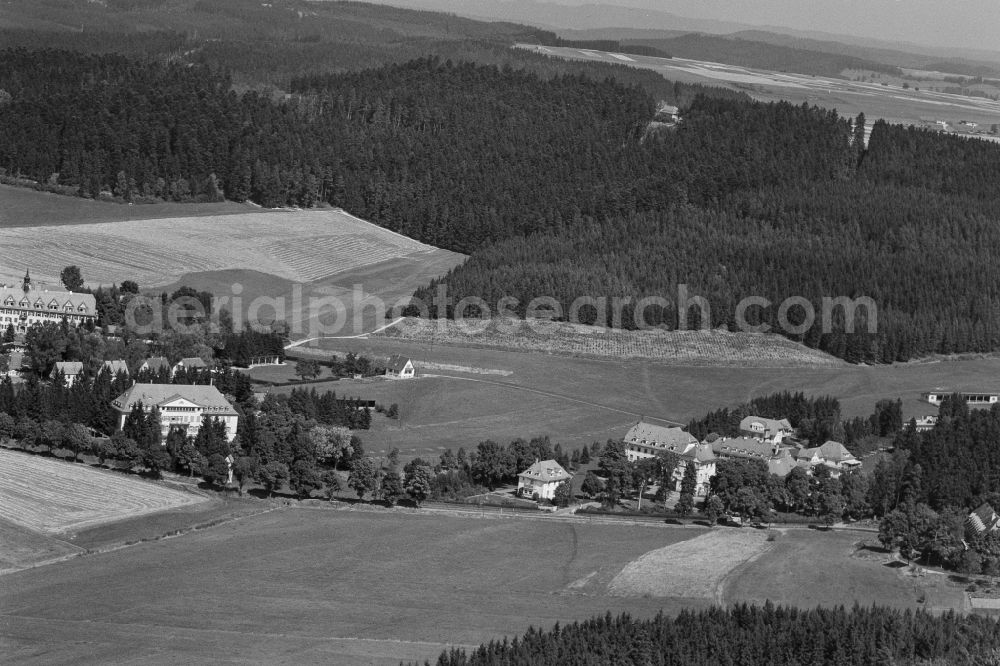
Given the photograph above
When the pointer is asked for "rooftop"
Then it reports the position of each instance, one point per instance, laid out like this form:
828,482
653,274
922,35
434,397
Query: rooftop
209,398
673,438
546,471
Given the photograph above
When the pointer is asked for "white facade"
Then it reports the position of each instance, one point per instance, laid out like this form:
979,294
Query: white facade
25,306
184,406
542,479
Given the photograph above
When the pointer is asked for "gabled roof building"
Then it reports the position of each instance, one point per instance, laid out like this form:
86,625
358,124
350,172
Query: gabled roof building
542,479
184,406
25,305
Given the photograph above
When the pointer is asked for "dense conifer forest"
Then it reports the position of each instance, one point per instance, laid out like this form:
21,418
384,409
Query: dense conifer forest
745,634
553,178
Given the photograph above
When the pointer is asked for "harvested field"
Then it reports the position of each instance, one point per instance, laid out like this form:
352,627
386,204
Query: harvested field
684,347
301,246
53,496
689,569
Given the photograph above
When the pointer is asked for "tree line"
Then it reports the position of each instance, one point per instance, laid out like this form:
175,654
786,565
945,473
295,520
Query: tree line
749,634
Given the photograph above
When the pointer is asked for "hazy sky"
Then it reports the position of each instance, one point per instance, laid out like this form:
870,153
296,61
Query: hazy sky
961,23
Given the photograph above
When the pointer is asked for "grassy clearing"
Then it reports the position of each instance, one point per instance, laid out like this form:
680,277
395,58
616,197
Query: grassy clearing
324,586
715,348
20,547
52,496
579,400
810,568
23,207
689,569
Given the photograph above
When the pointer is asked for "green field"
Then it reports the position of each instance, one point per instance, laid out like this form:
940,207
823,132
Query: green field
322,586
579,400
22,207
809,568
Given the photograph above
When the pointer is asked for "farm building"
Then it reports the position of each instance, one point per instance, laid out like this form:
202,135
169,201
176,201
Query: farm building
191,363
12,365
542,479
772,430
973,399
983,519
645,440
155,364
115,367
832,454
399,367
25,306
71,371
181,405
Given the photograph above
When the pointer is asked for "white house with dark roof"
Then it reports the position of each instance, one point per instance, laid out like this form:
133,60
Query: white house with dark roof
25,305
115,367
704,460
983,519
71,371
772,430
542,479
155,364
399,367
181,405
831,454
190,363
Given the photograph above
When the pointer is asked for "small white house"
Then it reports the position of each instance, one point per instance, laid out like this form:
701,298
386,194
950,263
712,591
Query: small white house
185,364
399,367
115,367
542,479
70,370
769,430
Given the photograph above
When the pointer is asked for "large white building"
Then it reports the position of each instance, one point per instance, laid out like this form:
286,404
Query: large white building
25,305
645,440
181,405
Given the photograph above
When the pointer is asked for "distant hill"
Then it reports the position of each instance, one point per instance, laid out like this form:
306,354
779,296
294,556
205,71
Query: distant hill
761,55
898,58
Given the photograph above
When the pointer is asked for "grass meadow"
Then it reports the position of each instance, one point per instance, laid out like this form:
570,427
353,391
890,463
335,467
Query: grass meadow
579,400
23,207
323,586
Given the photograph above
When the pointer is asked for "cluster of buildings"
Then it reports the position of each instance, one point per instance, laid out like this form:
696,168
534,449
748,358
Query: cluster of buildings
26,305
768,440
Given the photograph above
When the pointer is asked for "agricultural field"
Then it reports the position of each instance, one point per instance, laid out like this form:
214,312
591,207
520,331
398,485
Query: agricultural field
579,400
716,348
311,586
24,207
345,587
892,103
301,246
53,497
809,569
693,569
322,271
